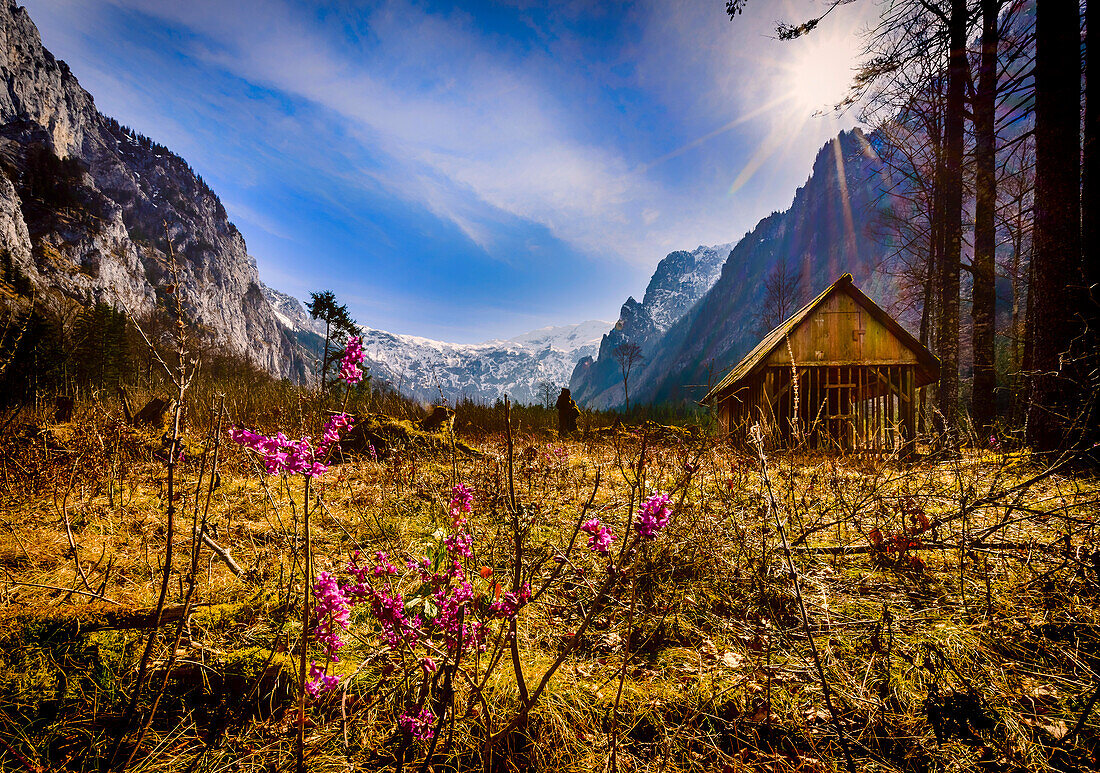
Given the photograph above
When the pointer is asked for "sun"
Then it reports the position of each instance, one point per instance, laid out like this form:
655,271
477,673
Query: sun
819,71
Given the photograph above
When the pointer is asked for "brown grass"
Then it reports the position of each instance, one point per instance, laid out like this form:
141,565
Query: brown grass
989,626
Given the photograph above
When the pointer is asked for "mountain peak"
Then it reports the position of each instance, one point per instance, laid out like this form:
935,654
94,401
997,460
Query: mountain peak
698,310
92,228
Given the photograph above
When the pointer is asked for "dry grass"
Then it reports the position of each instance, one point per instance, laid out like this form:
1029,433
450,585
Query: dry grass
988,627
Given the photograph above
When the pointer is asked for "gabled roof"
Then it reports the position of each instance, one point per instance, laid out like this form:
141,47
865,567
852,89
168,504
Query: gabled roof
928,369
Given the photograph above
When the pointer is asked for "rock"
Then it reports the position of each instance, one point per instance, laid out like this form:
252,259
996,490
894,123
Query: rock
63,409
568,413
441,419
378,435
154,413
98,232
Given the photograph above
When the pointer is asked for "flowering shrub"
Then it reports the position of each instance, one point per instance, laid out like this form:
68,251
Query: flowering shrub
428,611
451,617
350,370
653,516
282,455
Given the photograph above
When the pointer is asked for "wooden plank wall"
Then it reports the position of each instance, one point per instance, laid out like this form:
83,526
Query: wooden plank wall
862,409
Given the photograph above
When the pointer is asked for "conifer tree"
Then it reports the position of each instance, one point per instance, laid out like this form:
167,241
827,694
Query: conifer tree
339,326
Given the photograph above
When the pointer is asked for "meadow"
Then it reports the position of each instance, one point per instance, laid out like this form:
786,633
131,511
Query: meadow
516,601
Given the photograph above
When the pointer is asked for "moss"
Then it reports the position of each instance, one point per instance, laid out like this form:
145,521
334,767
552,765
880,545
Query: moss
387,434
252,665
223,616
44,667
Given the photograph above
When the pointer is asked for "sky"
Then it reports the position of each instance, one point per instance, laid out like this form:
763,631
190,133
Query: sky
469,171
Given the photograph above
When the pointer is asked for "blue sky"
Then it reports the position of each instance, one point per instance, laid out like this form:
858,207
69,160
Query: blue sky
466,171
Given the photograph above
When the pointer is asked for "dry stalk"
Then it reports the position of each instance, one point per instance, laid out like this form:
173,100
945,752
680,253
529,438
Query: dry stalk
773,508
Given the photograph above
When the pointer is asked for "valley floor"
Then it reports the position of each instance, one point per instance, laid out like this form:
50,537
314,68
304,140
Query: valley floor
939,616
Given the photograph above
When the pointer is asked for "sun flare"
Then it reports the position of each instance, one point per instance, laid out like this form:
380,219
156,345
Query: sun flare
819,72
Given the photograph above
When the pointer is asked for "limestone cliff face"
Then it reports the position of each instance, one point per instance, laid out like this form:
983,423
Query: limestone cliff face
827,231
678,282
87,206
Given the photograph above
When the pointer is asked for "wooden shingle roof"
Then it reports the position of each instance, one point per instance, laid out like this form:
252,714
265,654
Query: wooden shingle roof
928,367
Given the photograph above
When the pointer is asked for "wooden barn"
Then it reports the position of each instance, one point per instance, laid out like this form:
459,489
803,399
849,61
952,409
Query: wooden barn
839,373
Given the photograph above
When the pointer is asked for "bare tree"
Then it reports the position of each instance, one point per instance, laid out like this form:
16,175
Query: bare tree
1015,192
984,299
784,293
628,355
547,390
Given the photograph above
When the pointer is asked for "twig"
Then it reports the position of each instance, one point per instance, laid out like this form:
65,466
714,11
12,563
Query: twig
223,554
16,583
759,442
27,764
1081,720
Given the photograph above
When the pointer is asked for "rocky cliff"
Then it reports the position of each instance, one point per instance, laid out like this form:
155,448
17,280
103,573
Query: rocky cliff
87,209
679,281
828,230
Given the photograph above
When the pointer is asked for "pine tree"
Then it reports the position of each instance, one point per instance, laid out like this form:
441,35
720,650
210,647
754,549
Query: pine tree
339,326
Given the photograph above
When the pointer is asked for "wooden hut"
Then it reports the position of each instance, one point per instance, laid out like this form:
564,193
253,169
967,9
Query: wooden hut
839,373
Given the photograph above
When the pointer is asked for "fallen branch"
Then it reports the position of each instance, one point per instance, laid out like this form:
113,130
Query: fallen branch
96,616
850,550
223,554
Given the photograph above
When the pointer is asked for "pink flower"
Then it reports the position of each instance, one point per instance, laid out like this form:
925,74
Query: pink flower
350,372
320,682
511,603
459,545
418,725
601,536
383,565
280,454
653,516
462,503
331,613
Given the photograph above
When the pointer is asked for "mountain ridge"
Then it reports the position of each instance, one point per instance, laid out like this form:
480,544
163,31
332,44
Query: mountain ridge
88,207
826,231
679,280
429,370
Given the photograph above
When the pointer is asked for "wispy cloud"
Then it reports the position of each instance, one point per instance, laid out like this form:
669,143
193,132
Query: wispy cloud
596,136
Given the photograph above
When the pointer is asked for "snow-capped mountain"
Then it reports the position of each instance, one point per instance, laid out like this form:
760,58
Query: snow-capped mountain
517,367
428,370
567,338
678,282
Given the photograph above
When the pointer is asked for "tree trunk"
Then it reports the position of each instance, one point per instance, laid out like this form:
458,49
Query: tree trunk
984,304
930,311
1057,289
1090,177
1090,252
948,332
